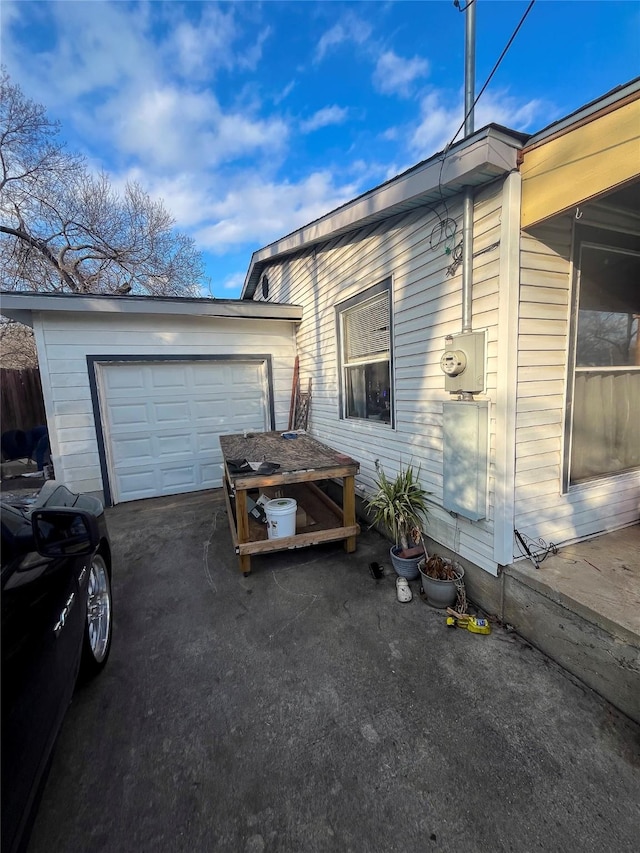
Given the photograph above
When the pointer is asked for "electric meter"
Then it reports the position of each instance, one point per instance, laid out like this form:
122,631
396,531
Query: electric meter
453,362
463,363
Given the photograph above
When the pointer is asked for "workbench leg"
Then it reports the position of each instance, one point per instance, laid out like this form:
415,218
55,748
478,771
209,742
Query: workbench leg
242,521
349,510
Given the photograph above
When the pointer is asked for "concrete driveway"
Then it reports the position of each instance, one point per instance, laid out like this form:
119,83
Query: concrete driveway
303,709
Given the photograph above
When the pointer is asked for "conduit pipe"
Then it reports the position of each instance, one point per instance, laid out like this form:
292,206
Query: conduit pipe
467,208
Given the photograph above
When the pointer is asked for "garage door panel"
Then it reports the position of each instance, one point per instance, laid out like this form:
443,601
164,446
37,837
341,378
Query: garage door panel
162,422
246,407
129,414
207,442
179,476
205,378
214,408
172,412
137,484
165,376
174,445
212,475
126,378
246,374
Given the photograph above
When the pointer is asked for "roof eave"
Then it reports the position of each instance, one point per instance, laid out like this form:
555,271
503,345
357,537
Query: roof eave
21,306
481,158
611,100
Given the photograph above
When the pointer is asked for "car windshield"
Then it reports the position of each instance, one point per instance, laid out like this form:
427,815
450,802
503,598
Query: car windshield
13,517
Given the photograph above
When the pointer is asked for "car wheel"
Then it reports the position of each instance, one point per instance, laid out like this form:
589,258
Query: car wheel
97,632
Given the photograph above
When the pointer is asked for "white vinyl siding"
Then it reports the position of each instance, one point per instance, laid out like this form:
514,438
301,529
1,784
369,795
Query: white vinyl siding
542,509
65,341
426,307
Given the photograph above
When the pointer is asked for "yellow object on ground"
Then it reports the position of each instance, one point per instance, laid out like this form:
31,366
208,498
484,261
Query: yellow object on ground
472,623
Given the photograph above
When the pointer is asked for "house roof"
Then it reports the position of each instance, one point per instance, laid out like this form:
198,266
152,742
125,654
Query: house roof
22,305
611,100
476,160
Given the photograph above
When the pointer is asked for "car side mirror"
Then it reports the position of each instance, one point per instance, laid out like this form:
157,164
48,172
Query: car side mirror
64,532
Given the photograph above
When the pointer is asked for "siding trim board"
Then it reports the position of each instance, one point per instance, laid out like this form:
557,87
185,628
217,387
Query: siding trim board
503,511
95,362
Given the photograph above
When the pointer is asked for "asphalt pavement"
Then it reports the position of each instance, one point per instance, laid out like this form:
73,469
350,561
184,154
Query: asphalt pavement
304,709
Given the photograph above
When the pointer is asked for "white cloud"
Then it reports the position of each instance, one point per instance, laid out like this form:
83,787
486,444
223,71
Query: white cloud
207,43
107,54
213,166
275,209
284,93
234,282
172,127
212,42
394,75
121,82
439,121
324,117
349,29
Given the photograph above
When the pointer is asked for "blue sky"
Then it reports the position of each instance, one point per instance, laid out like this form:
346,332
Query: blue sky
251,119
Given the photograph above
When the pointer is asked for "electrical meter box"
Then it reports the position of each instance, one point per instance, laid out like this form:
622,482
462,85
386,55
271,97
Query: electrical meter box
463,363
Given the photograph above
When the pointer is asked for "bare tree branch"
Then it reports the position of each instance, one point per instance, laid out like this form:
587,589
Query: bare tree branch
64,228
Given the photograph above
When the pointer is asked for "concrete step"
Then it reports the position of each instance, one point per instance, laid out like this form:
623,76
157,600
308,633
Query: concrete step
581,607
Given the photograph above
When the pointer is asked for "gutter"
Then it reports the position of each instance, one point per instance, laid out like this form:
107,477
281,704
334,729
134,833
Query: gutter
479,159
21,306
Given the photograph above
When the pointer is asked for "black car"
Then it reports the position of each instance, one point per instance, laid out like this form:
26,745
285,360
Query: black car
56,627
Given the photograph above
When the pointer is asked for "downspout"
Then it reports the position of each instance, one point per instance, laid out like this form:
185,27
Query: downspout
467,209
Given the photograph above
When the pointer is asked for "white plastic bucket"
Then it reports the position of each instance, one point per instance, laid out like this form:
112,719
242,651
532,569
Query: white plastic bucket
281,517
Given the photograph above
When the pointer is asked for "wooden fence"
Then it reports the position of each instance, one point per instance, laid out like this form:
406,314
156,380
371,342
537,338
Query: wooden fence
21,403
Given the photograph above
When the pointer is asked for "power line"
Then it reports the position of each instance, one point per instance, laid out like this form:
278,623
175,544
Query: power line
460,8
445,153
493,71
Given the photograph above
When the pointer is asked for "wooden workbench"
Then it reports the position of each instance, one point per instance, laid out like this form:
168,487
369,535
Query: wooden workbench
302,462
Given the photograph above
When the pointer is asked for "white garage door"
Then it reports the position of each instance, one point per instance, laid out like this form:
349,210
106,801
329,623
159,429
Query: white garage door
161,422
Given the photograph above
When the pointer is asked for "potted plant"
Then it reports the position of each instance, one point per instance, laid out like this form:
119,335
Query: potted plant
441,580
400,505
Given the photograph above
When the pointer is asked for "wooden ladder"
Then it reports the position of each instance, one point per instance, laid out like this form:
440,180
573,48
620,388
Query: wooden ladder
300,401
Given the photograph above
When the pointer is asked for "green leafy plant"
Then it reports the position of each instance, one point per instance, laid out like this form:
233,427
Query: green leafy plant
400,505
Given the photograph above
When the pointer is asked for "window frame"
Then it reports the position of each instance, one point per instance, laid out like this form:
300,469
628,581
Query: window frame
603,238
341,308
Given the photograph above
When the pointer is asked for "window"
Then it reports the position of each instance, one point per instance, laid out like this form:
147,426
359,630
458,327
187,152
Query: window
364,334
605,405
